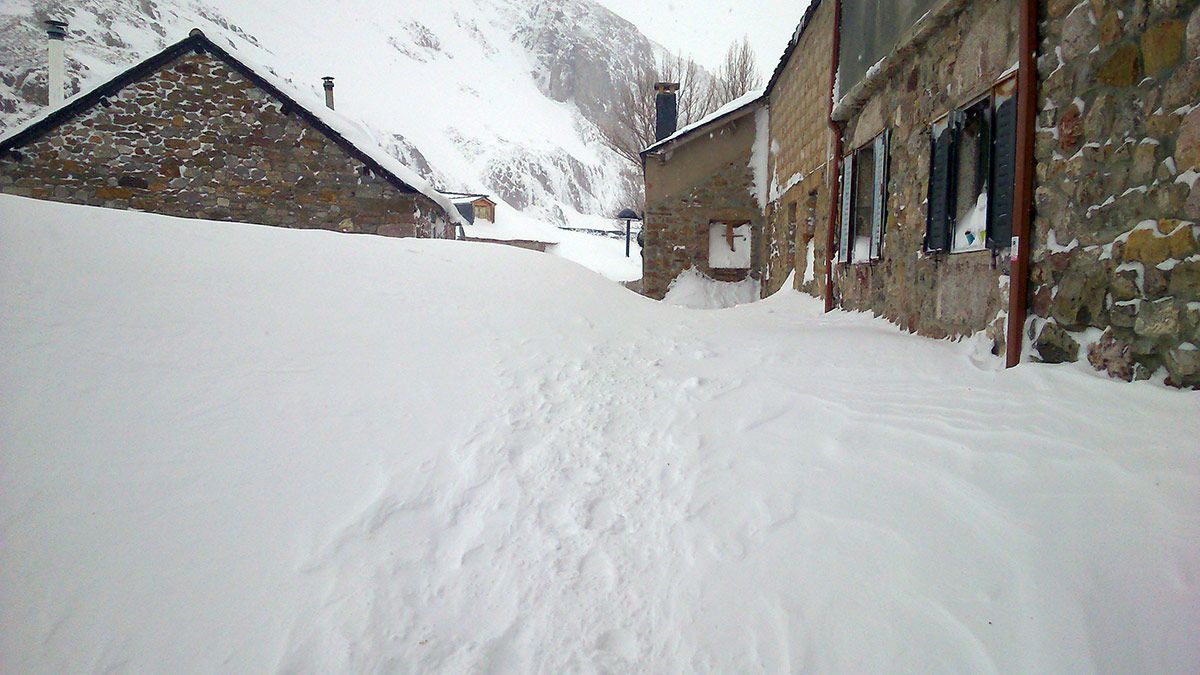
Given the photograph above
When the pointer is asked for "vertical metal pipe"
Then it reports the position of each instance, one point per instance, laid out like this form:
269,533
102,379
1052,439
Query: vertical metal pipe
1027,92
628,231
328,82
835,164
56,31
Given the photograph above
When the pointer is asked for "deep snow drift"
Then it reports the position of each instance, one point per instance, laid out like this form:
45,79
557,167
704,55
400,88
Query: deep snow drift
694,290
237,449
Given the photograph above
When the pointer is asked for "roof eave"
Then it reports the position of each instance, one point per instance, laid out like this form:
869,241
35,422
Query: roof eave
801,28
198,41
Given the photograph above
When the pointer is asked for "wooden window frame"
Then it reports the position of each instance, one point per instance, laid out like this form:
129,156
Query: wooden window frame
880,146
940,236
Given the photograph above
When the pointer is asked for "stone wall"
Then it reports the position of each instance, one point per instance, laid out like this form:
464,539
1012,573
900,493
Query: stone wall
527,244
1116,263
801,144
688,185
962,55
198,139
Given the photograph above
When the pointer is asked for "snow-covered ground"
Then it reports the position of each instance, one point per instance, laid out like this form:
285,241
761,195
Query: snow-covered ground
239,449
604,255
694,290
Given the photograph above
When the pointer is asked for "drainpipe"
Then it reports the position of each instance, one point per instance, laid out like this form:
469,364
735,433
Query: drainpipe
835,165
1027,92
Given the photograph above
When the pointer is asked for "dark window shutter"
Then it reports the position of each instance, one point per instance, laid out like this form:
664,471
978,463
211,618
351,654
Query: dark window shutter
941,187
1004,167
879,214
847,200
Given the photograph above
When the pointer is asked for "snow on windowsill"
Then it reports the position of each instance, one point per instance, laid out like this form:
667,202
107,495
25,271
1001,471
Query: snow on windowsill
970,233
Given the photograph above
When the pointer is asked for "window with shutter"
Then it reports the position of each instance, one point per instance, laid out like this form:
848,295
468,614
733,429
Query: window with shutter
971,167
847,201
879,210
863,216
1004,166
941,186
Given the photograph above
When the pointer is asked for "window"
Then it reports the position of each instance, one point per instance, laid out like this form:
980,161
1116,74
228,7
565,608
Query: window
729,245
973,158
864,202
485,211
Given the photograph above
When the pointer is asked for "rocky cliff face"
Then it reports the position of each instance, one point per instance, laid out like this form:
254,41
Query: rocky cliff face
583,66
505,96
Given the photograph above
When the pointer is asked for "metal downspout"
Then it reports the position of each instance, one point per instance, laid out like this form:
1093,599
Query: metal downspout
1027,92
835,164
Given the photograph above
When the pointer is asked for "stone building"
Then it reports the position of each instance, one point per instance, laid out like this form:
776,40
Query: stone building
932,133
928,134
195,131
1060,222
801,146
702,211
759,164
1117,153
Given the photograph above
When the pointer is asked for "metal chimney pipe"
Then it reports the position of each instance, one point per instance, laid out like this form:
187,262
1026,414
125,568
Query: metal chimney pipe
328,92
56,31
666,109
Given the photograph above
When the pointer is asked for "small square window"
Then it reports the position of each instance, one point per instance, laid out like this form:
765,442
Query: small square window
729,245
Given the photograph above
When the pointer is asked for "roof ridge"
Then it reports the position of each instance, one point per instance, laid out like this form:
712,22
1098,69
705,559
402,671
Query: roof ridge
805,20
197,40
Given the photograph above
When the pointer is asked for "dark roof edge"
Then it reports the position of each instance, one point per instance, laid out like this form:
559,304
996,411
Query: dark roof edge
740,111
792,44
464,195
197,41
79,104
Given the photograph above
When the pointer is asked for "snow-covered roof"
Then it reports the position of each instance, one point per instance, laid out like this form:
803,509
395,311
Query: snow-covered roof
483,230
735,106
352,136
465,198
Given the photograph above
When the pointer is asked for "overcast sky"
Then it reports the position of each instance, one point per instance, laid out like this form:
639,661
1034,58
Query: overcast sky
704,28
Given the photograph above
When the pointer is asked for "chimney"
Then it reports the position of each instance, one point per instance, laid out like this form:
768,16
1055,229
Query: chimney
328,92
666,108
57,32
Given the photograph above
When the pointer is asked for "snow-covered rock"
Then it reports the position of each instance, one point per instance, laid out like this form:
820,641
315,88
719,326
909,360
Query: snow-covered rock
498,95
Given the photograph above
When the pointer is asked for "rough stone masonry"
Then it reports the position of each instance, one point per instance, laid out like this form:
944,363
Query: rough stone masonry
196,138
1116,260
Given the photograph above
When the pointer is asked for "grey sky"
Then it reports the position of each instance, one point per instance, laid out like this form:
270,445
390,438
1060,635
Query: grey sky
704,28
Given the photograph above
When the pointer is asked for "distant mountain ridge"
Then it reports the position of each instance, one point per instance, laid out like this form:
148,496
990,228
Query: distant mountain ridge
500,95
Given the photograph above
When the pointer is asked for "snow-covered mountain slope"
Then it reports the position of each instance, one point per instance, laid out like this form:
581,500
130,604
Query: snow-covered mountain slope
492,460
496,95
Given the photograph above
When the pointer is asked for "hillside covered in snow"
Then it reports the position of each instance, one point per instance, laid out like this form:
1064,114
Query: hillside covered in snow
232,448
503,96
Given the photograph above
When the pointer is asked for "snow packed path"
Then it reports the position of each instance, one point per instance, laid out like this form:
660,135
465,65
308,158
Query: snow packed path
235,448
